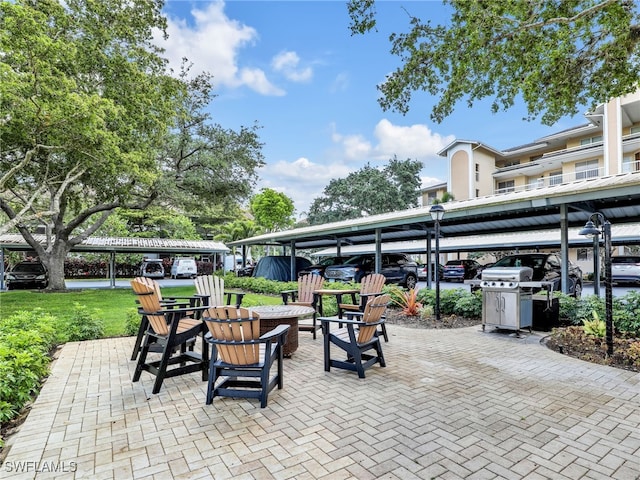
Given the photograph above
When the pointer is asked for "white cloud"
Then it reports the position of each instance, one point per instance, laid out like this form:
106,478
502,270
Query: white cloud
213,44
287,64
340,83
415,141
301,180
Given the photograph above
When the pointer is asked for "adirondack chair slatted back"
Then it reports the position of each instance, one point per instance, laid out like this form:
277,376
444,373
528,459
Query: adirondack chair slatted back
151,283
372,283
307,284
235,325
373,312
211,286
149,299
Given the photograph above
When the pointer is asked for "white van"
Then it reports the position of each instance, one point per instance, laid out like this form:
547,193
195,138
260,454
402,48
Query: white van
184,267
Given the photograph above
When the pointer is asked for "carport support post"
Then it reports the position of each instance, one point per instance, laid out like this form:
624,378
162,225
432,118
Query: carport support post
564,247
378,250
293,261
2,287
112,268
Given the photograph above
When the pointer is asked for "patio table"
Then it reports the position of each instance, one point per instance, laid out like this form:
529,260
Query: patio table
273,315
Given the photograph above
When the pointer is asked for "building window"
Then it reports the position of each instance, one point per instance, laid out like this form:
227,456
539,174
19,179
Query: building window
635,130
585,254
477,193
477,173
507,186
631,163
555,178
587,169
587,141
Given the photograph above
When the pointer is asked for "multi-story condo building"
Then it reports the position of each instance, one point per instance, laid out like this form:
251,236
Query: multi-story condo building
608,144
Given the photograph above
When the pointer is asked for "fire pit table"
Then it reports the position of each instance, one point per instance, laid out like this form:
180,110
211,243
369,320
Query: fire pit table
273,315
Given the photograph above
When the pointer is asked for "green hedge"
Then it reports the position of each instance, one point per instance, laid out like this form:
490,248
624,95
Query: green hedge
27,339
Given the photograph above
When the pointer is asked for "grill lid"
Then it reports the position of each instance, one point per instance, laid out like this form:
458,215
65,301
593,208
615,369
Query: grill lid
514,274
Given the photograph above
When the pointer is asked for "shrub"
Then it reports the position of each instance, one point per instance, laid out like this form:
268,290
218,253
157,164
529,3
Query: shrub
594,327
469,305
83,324
627,313
26,339
132,322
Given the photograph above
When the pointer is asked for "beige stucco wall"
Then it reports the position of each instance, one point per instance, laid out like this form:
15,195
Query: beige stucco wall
487,164
459,180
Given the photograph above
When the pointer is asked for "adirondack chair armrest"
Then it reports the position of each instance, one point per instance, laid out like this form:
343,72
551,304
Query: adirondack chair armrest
174,311
280,331
239,297
289,293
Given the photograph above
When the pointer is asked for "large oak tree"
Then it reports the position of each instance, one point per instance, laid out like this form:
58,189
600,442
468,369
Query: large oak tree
368,191
91,122
555,55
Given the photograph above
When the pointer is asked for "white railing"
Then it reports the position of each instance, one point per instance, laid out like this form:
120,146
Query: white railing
555,180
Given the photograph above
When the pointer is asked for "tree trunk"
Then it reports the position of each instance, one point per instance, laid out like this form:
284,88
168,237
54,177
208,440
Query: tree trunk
54,261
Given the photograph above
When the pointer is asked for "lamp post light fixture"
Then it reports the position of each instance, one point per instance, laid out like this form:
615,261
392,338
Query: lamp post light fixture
437,214
601,226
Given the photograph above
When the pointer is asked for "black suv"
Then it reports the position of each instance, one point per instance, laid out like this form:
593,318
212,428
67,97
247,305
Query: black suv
547,267
398,268
27,274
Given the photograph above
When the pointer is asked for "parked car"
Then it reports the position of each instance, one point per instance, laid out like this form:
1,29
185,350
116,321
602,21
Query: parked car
460,270
152,268
625,269
246,271
320,267
184,267
26,275
396,267
547,267
422,271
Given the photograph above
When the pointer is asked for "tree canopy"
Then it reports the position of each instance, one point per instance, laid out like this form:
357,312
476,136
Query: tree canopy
272,210
369,191
93,121
556,56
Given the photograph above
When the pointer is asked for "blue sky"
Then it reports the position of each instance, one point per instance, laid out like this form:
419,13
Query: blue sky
293,68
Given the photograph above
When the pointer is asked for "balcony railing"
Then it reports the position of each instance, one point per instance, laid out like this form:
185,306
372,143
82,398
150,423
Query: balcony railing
552,180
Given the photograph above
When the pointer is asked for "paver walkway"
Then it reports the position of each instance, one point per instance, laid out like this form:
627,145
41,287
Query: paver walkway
451,404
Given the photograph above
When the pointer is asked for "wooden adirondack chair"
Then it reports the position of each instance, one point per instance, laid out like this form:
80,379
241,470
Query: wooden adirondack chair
241,356
357,337
170,302
370,285
304,296
211,289
170,329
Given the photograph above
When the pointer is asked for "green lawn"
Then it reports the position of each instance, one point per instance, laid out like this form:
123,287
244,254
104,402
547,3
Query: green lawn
112,304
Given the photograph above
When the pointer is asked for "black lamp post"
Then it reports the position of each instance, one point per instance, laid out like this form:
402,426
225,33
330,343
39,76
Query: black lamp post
437,213
591,229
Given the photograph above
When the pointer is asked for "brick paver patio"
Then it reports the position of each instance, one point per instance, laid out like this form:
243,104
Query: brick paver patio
451,404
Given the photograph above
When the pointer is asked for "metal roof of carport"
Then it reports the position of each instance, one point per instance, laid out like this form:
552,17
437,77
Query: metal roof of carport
124,245
627,234
617,197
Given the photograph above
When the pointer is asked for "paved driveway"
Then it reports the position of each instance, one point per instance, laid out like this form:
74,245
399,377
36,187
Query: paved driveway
451,404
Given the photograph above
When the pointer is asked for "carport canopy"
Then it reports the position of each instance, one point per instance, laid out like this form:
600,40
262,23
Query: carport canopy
556,207
113,245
